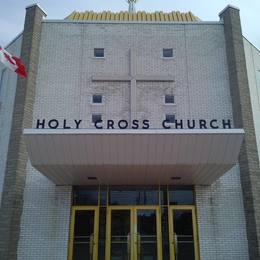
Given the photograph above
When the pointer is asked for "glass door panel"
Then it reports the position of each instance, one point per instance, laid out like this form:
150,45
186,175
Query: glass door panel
146,239
183,234
119,235
84,235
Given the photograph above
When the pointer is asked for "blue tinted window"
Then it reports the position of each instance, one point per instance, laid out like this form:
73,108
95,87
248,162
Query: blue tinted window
170,118
169,99
97,99
99,52
86,197
167,53
181,195
96,118
134,197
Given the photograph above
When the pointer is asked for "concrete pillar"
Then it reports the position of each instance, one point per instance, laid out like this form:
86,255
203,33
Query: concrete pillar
15,173
243,118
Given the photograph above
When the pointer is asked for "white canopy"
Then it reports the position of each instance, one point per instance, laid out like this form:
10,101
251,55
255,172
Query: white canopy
133,157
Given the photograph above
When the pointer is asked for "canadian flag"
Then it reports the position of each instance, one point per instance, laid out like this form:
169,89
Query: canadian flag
12,63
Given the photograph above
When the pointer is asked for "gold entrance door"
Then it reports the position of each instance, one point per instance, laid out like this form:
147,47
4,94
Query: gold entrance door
119,239
183,233
147,233
133,233
84,233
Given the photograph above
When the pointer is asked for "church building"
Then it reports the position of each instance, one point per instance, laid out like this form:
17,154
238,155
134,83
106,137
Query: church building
135,136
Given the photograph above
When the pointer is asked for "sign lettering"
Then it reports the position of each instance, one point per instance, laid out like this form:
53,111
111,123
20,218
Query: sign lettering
136,124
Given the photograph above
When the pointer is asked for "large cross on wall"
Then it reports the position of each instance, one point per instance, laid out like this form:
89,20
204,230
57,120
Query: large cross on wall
133,78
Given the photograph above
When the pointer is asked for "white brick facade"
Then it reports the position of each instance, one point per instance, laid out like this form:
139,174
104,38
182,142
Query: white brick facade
253,72
64,91
221,220
45,219
199,65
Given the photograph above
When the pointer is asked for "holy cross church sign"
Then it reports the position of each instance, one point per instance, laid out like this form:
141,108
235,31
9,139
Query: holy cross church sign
135,124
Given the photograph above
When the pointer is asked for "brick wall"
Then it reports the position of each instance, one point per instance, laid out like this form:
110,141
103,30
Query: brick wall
45,219
221,219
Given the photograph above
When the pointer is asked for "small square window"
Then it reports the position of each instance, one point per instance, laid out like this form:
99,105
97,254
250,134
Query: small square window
167,53
170,118
97,99
169,99
96,118
99,53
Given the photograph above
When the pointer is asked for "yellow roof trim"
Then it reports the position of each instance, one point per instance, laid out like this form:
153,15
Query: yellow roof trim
90,15
81,16
85,16
153,16
166,17
175,17
183,16
103,15
76,16
139,16
121,16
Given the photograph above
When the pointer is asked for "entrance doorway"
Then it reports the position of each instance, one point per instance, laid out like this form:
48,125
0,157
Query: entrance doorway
84,233
133,233
183,233
115,229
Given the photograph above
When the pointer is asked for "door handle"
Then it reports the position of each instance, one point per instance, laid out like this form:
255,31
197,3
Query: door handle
129,246
138,244
175,243
91,245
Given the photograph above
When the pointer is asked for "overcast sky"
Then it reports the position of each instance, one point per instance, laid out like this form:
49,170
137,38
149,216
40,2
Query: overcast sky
12,12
